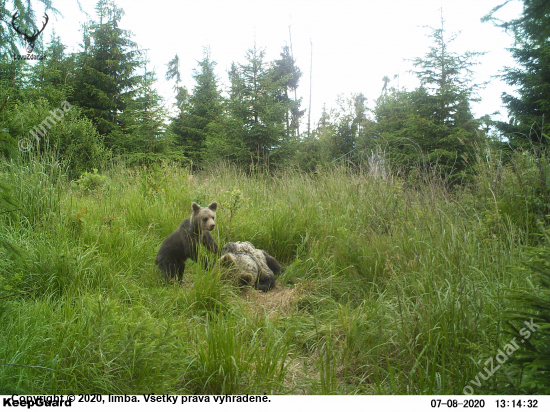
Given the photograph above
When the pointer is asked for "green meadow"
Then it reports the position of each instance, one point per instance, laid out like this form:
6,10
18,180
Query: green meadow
389,286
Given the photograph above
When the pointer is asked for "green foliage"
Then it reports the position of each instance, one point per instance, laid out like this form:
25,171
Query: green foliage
519,184
342,136
51,79
89,182
111,354
236,360
316,150
144,139
58,129
235,201
78,143
199,112
36,187
529,105
231,202
224,142
343,139
386,289
531,307
9,282
8,144
391,286
259,107
432,128
77,220
105,77
534,20
287,75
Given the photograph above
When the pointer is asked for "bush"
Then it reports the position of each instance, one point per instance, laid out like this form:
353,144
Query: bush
532,306
71,137
78,143
90,182
518,184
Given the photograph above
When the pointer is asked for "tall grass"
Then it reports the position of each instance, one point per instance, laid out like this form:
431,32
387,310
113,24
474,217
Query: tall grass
387,288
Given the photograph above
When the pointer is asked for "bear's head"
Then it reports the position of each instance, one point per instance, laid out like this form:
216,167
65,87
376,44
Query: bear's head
238,268
203,217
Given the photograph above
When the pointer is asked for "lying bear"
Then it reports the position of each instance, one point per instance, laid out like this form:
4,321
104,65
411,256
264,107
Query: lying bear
248,266
183,243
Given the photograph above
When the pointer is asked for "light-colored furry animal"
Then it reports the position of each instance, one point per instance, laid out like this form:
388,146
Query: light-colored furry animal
248,266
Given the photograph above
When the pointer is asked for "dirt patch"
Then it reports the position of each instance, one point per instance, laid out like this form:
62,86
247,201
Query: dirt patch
278,302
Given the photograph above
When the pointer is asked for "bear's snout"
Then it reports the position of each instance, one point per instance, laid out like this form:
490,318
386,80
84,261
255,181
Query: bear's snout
212,226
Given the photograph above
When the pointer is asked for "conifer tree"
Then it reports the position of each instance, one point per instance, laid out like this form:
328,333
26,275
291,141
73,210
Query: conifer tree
433,126
287,75
144,118
258,111
529,106
315,150
105,76
534,19
53,77
173,73
201,111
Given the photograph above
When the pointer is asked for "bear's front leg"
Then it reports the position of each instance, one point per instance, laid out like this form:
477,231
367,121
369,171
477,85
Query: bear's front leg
208,240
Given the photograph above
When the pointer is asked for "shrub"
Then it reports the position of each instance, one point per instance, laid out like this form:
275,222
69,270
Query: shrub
89,182
533,306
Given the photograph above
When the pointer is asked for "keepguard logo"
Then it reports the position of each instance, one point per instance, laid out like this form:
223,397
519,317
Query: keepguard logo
29,40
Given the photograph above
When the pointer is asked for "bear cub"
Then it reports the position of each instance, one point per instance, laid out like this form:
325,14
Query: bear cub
183,243
242,263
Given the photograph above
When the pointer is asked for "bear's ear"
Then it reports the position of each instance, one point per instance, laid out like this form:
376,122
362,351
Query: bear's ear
195,207
227,261
272,264
213,206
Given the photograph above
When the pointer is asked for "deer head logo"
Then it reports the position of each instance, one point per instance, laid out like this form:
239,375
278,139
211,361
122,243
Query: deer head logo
29,40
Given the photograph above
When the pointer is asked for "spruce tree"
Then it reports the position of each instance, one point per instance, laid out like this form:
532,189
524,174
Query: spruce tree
144,118
534,19
201,111
173,73
105,76
433,126
53,77
529,107
258,108
287,76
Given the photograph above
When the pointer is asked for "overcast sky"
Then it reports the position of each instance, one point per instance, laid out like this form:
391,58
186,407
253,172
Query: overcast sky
355,43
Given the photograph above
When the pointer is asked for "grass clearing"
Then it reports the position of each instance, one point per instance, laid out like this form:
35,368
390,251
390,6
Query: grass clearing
387,288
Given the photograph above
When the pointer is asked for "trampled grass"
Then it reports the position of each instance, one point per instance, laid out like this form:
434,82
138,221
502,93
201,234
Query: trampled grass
387,288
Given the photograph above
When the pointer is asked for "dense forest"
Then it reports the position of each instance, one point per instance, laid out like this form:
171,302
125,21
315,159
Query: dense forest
413,235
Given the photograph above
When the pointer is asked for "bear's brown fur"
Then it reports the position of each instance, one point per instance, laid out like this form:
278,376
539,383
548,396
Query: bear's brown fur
183,243
248,266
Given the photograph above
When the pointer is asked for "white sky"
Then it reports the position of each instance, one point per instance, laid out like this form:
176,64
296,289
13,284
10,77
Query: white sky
355,43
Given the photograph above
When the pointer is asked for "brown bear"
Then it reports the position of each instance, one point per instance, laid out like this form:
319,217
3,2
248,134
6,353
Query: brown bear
248,266
183,243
